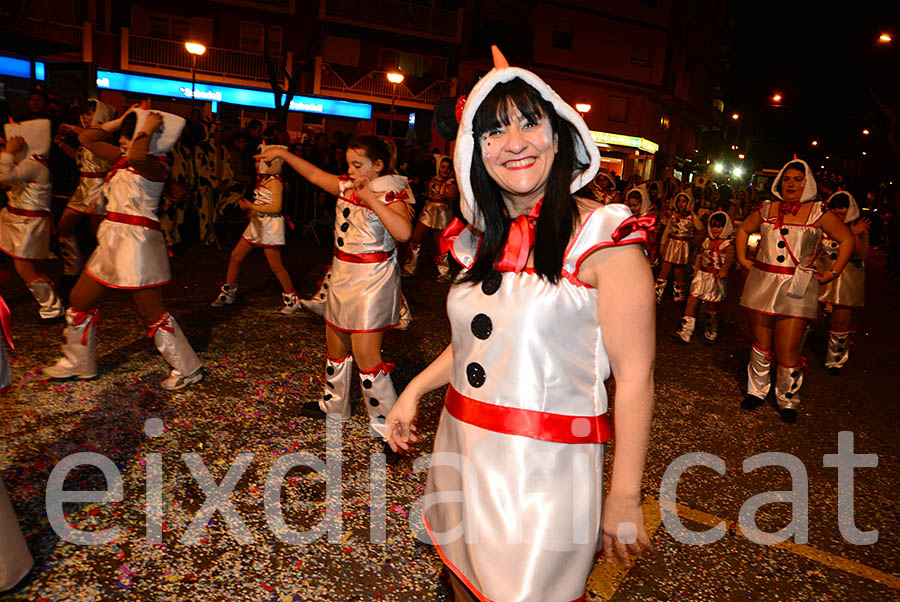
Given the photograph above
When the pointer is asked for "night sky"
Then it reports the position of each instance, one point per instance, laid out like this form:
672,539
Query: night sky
820,59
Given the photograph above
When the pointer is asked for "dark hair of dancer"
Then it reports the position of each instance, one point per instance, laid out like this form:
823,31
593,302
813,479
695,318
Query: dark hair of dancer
717,221
559,212
128,125
377,149
839,201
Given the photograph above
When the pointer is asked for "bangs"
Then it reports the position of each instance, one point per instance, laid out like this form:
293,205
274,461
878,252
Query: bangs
839,201
494,111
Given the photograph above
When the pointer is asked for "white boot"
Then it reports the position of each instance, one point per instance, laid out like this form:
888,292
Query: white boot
379,394
79,358
443,268
838,352
686,331
71,254
316,303
178,353
678,292
291,303
411,265
758,380
227,294
788,380
44,293
406,318
660,289
336,397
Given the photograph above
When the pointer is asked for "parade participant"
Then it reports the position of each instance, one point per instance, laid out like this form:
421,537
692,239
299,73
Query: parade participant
266,230
846,292
638,200
131,252
363,297
711,268
87,199
782,288
25,221
676,246
316,304
603,188
554,293
436,215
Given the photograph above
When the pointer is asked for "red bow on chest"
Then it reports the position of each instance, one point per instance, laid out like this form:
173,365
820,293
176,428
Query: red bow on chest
519,242
121,163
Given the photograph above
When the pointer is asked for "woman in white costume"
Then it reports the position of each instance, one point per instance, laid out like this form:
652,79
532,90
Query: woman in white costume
88,197
25,221
131,253
363,298
782,288
436,215
266,229
676,244
847,292
556,294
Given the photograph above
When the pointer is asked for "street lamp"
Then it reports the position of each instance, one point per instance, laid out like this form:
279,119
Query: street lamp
815,143
735,116
582,107
196,50
865,132
885,38
776,98
395,77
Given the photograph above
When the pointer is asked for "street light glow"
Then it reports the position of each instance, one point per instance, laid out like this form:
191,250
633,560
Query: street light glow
865,132
582,107
719,168
735,116
738,172
195,48
815,143
394,77
864,153
885,38
776,97
741,156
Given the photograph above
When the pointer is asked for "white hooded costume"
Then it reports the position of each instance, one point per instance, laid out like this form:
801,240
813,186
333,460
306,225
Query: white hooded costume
25,221
848,289
513,500
679,234
88,197
706,284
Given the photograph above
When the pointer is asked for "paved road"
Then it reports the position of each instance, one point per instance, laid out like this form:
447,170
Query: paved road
261,366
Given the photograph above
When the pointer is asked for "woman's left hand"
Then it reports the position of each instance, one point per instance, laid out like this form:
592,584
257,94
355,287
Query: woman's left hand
623,528
825,276
860,226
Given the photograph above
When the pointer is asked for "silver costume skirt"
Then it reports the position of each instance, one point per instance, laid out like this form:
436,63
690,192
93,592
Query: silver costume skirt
517,519
265,230
848,289
706,287
436,215
766,292
23,237
677,251
129,257
363,297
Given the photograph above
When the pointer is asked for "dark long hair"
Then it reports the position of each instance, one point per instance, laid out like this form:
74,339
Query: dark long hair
559,212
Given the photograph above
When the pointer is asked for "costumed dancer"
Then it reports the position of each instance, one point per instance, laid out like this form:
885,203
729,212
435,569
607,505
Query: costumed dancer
638,200
782,288
846,292
436,215
711,268
363,300
554,293
266,230
88,198
131,251
25,221
603,188
676,246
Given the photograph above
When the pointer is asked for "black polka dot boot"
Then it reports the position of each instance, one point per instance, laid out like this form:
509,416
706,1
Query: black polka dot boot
788,380
335,400
758,379
379,394
316,303
838,352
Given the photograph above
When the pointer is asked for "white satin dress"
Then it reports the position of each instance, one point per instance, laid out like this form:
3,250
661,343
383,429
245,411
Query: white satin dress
25,221
265,229
88,197
706,284
513,500
848,289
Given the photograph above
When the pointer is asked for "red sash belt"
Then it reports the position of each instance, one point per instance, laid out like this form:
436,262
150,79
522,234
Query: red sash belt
708,270
362,257
93,174
684,238
544,426
27,212
775,269
133,220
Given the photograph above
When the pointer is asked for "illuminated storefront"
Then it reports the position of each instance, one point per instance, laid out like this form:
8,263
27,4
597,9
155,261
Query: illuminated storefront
623,154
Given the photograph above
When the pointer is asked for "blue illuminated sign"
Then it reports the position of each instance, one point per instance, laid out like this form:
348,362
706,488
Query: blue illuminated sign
140,84
20,68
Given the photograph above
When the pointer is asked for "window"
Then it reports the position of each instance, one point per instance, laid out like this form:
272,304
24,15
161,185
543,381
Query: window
562,37
170,27
618,109
253,34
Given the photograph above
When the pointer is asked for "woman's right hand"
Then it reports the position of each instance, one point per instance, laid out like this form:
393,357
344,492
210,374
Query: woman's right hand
400,427
269,155
745,263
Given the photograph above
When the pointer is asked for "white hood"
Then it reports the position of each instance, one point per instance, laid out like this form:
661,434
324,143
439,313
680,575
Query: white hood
270,168
163,141
852,210
438,159
809,189
645,198
690,199
585,148
102,114
727,230
36,133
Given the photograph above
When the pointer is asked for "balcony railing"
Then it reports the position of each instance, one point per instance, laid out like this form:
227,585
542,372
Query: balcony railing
396,15
168,54
374,86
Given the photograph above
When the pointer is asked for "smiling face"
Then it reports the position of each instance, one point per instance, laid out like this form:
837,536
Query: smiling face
445,169
792,184
715,231
519,156
359,166
634,201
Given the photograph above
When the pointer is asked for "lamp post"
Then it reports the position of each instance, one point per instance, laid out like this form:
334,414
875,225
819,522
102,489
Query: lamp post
395,77
196,50
582,107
